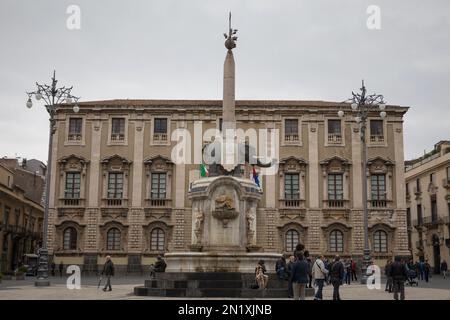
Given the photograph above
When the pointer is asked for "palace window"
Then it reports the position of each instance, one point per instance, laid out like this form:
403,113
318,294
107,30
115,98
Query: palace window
117,129
419,214
115,185
158,186
378,186
434,212
418,185
75,129
70,239
335,186
292,239
113,239
6,216
72,190
380,241
408,217
157,239
376,131
448,174
291,129
291,186
336,241
160,129
433,178
334,131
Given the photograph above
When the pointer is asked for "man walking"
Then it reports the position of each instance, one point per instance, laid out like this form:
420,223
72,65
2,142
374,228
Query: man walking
108,271
299,277
319,273
444,268
398,272
387,267
427,269
336,276
61,267
353,266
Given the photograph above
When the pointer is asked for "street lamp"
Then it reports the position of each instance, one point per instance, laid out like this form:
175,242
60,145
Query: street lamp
52,97
363,104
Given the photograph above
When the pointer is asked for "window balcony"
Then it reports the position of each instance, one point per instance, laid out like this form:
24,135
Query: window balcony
446,183
375,204
291,203
117,137
335,204
376,138
291,137
160,137
75,137
71,202
157,203
417,191
334,138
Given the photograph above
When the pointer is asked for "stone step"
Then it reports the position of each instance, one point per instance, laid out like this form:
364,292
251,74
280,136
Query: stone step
216,292
216,283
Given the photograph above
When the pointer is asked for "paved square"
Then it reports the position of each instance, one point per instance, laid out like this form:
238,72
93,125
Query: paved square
436,289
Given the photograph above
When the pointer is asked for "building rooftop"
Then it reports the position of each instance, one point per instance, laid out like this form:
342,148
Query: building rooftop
441,148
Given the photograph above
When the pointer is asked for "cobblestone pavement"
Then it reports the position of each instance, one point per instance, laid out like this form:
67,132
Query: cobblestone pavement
436,289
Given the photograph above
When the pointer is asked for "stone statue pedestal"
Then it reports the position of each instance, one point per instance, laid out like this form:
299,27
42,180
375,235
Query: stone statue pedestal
224,216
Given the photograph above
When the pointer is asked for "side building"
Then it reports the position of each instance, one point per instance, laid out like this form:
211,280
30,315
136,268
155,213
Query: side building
428,205
115,189
21,213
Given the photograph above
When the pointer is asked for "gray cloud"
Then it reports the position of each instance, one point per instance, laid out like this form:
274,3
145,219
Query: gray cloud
292,49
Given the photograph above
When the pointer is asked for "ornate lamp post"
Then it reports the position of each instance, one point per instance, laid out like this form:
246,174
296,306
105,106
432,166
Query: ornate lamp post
363,104
52,97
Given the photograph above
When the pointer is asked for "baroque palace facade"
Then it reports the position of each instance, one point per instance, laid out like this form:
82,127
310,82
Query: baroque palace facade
428,205
116,191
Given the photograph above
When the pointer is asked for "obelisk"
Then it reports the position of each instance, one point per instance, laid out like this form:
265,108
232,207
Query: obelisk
228,113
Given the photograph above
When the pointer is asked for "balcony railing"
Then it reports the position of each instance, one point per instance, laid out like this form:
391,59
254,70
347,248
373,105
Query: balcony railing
340,203
158,203
334,138
71,202
378,203
377,138
74,137
114,202
446,183
117,137
160,137
291,137
291,203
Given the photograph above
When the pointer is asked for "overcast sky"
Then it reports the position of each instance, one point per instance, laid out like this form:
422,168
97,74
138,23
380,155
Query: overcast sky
287,49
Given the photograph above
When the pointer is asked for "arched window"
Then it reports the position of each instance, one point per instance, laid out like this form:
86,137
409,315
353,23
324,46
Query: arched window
113,239
380,241
70,239
292,239
157,239
336,241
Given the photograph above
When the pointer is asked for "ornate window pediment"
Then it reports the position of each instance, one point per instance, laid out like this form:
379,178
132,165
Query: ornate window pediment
116,163
158,163
73,163
379,165
335,164
293,164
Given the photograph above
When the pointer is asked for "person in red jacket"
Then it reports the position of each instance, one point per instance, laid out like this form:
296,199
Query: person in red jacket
353,268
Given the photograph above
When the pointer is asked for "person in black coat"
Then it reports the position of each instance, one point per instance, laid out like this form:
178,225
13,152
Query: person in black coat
108,271
299,277
398,272
280,268
159,266
336,276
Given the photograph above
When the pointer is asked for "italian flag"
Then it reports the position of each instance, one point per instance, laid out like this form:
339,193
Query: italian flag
203,171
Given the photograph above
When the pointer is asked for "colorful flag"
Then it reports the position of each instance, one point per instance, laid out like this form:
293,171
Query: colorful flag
203,171
256,177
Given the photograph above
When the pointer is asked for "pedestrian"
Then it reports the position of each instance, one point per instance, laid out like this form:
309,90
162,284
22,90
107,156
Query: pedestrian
422,269
299,248
427,269
399,273
388,276
280,268
444,268
348,271
53,267
309,261
319,273
353,264
336,276
289,267
61,267
108,271
260,275
327,266
159,266
299,277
